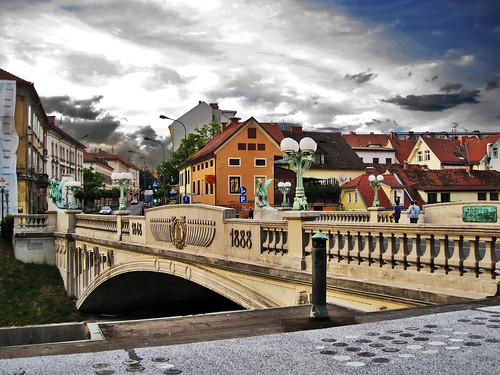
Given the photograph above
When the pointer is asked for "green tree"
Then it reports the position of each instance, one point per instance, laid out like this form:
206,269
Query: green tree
93,182
192,143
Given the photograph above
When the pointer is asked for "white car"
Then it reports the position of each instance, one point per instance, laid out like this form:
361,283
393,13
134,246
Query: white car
106,210
133,201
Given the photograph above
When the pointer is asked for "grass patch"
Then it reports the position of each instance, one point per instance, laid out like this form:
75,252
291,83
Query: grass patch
32,294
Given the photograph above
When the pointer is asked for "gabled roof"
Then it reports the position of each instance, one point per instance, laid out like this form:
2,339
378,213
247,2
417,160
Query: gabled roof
5,75
93,158
362,184
478,147
338,153
403,148
219,139
419,178
448,151
366,140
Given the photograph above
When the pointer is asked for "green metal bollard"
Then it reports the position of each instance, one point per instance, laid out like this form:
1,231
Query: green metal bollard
319,310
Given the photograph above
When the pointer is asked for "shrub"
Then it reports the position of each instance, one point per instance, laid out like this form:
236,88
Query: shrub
7,226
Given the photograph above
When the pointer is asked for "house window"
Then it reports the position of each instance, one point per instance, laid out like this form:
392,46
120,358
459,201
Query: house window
211,163
481,196
419,156
211,189
432,198
261,147
427,155
234,162
349,198
320,158
251,146
260,162
495,153
494,196
388,160
375,160
355,197
206,188
234,184
445,197
199,190
252,133
206,164
242,146
194,187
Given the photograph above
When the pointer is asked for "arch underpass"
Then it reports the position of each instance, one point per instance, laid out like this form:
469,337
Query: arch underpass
146,293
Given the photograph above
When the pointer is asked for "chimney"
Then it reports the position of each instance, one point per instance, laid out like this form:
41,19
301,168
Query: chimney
391,136
214,105
351,132
462,140
223,127
405,165
296,129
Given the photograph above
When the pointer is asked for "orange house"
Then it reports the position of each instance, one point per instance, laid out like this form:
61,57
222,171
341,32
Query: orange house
234,159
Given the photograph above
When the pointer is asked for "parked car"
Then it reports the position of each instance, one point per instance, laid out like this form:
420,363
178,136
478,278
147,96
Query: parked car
106,210
133,201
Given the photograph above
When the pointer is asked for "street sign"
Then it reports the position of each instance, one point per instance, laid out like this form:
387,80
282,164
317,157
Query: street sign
185,199
243,190
155,184
243,198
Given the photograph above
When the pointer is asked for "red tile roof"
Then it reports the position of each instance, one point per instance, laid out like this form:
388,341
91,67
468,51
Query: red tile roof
477,147
448,151
219,139
365,140
362,183
107,156
403,148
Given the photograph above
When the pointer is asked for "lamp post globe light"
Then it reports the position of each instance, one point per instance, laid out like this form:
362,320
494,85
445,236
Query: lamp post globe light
300,158
123,180
284,188
71,187
163,117
143,174
375,183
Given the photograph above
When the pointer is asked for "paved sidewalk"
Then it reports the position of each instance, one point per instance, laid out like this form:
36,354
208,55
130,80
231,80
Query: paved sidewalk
457,339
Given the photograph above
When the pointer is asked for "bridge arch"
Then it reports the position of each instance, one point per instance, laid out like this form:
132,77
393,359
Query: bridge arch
218,282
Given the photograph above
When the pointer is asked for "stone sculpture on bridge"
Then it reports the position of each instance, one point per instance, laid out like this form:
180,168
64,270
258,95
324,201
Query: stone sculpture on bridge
56,191
263,210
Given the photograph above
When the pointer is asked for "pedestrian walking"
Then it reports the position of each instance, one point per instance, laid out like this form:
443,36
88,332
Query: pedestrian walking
396,214
413,212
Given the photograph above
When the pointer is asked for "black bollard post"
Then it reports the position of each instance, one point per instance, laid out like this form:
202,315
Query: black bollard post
319,310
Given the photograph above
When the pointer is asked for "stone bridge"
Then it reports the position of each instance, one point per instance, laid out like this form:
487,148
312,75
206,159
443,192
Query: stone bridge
174,252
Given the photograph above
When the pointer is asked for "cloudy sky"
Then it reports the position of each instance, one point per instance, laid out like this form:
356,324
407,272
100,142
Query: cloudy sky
109,68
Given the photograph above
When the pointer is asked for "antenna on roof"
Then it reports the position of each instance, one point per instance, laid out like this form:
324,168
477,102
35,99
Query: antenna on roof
454,126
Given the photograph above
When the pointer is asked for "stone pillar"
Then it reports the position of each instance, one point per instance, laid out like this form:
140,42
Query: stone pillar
296,238
374,211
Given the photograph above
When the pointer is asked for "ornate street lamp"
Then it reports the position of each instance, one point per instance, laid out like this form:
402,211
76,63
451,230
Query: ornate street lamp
284,188
375,183
71,187
300,157
123,180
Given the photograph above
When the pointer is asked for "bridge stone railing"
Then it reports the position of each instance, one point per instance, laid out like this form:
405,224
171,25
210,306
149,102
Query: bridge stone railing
365,245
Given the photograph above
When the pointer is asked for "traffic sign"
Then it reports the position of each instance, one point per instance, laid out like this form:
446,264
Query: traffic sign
243,190
243,198
185,199
155,184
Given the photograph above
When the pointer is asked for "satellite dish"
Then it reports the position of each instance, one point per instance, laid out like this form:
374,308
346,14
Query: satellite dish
343,177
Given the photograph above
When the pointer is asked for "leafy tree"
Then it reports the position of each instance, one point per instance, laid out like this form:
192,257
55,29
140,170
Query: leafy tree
193,142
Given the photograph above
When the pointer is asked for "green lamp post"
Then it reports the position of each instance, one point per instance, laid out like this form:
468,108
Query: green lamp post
300,158
375,183
123,180
284,188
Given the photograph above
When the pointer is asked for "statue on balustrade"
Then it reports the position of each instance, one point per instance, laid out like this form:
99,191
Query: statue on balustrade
262,209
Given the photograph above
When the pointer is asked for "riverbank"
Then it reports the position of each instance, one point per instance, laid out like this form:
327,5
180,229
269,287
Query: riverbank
32,294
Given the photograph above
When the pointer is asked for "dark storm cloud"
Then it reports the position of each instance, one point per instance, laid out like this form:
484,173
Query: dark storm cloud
360,77
493,84
84,109
436,102
448,87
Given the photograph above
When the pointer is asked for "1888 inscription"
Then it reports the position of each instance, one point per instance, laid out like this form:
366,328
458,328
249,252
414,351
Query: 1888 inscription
479,214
